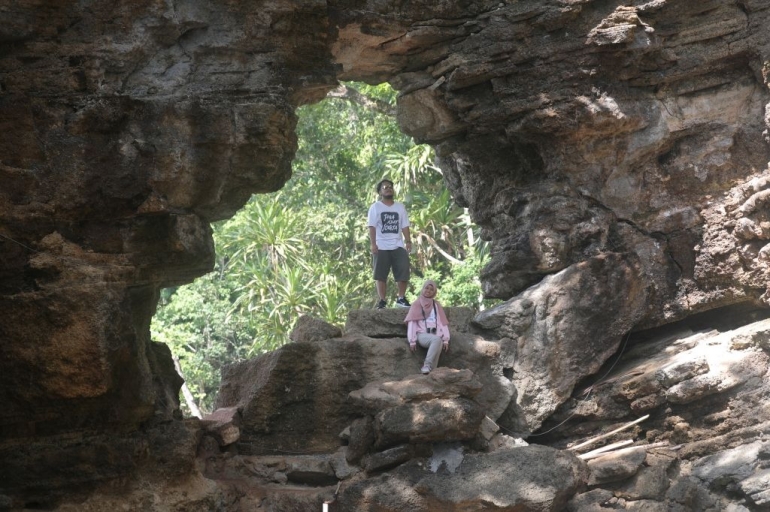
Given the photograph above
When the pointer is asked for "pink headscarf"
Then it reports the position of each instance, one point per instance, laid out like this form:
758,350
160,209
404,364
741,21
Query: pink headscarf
423,306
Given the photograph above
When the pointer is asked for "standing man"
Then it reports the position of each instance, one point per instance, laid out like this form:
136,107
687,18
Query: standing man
387,221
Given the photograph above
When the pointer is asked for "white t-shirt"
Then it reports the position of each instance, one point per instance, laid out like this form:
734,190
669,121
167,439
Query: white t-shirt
430,321
388,222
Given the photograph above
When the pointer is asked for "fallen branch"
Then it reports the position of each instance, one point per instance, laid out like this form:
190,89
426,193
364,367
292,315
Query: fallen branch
344,92
445,254
604,449
594,454
608,434
188,396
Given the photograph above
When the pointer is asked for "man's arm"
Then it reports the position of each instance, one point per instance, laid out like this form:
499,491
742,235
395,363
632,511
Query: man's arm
373,239
407,238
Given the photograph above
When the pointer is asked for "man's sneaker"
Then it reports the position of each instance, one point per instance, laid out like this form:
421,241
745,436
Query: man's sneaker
425,369
402,302
381,304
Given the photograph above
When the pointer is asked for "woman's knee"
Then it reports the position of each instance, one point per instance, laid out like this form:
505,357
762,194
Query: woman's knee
426,340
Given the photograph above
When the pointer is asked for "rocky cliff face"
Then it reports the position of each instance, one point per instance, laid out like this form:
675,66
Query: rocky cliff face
614,152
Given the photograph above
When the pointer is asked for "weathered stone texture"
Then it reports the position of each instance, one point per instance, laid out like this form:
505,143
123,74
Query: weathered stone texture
581,121
311,329
297,398
563,329
502,481
126,128
615,155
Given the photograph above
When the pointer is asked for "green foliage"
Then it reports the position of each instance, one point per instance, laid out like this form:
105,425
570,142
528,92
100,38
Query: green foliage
305,250
197,324
461,287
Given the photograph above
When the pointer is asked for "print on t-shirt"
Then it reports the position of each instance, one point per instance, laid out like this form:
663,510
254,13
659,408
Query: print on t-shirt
389,222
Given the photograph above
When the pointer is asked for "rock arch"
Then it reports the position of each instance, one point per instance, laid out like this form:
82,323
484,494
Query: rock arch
574,131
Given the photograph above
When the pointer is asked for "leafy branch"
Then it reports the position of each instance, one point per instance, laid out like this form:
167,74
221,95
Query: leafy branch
345,92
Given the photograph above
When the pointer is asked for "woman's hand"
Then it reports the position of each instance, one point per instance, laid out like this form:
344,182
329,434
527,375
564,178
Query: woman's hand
412,346
446,346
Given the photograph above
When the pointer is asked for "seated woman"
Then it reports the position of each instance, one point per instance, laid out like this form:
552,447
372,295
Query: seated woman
428,326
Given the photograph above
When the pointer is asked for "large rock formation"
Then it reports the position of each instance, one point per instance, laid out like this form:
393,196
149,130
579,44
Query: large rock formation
296,398
615,153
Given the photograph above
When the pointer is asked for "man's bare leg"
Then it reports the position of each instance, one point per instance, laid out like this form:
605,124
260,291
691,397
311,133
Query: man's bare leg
382,289
402,288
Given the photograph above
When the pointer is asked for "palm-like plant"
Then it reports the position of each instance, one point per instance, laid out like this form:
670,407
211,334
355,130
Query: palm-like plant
335,297
263,226
438,228
288,296
410,167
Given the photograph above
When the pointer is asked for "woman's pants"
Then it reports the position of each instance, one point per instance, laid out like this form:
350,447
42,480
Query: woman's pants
433,343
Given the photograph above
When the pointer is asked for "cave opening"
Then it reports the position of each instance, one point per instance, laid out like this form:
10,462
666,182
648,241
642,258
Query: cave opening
304,250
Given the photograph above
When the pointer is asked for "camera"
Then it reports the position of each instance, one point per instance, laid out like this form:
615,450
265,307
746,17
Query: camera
430,330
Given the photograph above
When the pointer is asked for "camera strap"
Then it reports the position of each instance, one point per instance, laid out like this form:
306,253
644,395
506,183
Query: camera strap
435,315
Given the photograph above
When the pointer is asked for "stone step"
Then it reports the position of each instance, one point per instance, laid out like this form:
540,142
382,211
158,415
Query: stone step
389,322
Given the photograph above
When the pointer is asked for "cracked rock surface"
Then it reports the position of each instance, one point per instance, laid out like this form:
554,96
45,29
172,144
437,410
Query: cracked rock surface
614,153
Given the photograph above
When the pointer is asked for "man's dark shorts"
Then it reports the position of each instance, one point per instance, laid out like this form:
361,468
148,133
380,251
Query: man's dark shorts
397,259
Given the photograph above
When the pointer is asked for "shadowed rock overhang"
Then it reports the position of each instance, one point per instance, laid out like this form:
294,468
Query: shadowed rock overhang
614,154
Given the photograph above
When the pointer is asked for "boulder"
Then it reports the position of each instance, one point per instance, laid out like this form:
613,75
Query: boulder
298,396
361,439
728,466
311,470
690,494
440,383
311,329
339,463
389,322
389,458
590,501
222,424
420,408
435,420
757,487
393,491
557,333
699,369
616,466
652,480
533,478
